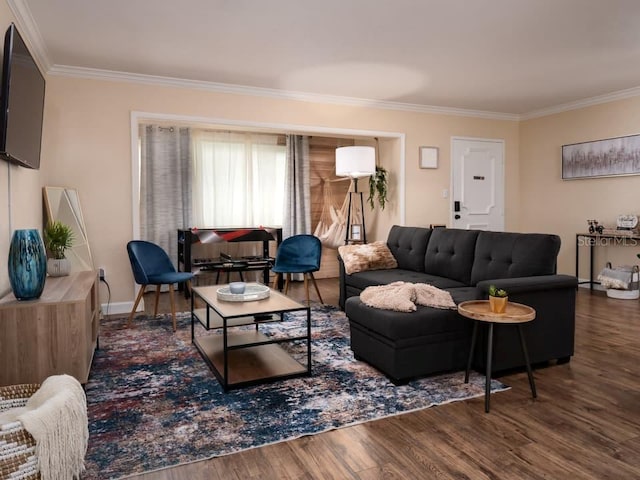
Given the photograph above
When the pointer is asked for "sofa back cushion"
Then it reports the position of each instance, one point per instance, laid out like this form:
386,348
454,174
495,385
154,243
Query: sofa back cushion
450,253
408,245
509,255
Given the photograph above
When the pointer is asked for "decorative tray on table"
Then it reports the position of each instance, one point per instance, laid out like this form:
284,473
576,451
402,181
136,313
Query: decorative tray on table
253,291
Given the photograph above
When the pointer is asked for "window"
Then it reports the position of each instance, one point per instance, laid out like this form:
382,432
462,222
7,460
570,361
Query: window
238,179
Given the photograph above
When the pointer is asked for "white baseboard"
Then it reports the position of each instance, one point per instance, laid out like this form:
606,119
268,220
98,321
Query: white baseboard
120,308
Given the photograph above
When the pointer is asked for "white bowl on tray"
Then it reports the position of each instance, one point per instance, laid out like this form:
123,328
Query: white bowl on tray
252,292
237,287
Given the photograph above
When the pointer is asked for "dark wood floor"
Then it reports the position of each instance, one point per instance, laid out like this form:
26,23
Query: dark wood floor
585,423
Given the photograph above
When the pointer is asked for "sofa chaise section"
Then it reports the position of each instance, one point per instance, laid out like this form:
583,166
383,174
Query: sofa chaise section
465,263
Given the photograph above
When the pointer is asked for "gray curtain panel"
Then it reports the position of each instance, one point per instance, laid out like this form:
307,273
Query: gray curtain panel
165,185
297,218
297,215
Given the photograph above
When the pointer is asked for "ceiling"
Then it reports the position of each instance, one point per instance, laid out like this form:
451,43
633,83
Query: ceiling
510,57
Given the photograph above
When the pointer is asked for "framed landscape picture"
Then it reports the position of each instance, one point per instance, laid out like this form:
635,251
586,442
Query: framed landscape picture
601,158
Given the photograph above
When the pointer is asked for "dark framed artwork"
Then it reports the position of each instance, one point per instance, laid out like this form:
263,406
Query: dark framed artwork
601,158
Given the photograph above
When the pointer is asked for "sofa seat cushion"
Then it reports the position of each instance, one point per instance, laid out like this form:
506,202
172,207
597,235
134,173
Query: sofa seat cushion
404,296
362,280
463,294
425,321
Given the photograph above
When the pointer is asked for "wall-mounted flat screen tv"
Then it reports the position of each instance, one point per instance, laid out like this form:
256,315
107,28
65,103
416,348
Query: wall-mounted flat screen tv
21,103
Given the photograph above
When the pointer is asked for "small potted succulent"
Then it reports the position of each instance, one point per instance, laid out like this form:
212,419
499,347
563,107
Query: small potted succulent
498,299
58,237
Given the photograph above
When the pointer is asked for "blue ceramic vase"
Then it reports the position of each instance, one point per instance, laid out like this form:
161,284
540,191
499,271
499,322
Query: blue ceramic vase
27,264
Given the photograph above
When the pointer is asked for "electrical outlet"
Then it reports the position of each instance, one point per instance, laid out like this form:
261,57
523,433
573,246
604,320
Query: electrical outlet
101,273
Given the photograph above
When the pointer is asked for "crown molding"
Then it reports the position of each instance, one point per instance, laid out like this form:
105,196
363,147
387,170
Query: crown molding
30,33
110,75
92,73
587,102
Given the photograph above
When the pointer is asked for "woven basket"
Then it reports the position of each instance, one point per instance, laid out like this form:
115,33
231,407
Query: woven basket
17,446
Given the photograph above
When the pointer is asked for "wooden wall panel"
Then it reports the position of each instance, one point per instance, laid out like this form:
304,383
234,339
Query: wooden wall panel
322,156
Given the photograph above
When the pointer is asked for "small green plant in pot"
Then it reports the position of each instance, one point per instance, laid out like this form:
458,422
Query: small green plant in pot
58,237
498,298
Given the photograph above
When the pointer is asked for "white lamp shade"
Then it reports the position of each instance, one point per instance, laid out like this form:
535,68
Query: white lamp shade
355,162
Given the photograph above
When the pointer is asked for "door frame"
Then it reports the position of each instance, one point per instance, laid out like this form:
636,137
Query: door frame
137,117
452,190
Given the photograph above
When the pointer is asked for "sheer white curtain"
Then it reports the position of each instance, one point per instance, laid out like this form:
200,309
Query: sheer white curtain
238,179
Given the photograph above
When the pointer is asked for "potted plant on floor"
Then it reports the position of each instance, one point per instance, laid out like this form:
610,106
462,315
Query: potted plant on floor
57,238
498,299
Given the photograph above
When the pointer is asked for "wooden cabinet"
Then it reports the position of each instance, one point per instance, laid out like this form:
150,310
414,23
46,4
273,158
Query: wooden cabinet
56,333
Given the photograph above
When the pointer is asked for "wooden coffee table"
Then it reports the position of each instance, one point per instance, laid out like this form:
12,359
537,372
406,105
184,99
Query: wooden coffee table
242,357
515,314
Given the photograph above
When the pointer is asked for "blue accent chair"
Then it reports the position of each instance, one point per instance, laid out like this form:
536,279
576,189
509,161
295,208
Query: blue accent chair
151,266
298,254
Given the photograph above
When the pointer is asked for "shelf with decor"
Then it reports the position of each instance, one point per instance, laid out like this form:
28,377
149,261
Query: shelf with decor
607,238
187,238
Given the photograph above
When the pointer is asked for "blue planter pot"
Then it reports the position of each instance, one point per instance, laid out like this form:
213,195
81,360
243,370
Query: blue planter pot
27,264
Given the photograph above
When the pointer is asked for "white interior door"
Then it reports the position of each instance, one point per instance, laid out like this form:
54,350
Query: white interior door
477,184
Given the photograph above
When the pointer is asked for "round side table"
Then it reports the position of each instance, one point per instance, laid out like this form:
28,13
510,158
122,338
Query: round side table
515,314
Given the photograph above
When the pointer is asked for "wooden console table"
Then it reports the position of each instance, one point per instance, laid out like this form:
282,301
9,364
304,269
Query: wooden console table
600,240
54,334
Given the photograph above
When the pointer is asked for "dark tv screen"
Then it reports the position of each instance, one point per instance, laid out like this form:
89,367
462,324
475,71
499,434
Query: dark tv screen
21,103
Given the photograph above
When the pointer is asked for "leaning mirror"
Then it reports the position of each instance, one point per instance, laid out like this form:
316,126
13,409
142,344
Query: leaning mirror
63,204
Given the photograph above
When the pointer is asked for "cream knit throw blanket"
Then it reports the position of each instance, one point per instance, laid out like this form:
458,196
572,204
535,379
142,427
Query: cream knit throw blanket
404,296
56,417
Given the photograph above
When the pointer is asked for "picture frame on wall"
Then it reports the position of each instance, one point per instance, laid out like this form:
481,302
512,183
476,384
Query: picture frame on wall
428,157
610,157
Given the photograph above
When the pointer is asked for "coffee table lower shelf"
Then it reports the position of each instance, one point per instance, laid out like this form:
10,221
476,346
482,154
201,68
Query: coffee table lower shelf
248,365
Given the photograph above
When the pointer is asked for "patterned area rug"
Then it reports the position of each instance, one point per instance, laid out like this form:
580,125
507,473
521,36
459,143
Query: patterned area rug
154,403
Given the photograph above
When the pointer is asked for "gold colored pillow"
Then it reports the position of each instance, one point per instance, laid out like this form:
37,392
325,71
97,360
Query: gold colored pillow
368,256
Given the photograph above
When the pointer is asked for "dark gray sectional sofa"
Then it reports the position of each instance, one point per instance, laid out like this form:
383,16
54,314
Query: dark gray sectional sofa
464,262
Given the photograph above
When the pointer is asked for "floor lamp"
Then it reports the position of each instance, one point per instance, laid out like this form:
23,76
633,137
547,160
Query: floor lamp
355,162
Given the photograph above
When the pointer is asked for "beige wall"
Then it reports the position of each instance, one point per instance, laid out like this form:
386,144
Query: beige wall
20,204
550,204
